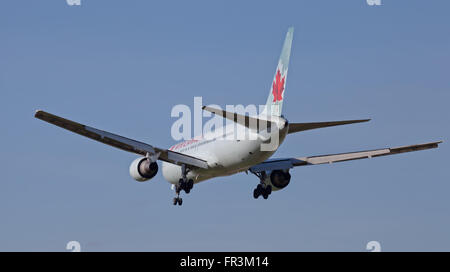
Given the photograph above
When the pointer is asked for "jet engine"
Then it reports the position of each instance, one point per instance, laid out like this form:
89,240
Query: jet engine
142,170
280,179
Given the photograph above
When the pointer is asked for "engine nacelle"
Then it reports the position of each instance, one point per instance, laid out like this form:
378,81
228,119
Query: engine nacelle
141,170
280,179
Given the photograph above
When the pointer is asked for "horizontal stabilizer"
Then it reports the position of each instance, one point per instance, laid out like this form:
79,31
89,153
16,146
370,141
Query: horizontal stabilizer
296,127
245,120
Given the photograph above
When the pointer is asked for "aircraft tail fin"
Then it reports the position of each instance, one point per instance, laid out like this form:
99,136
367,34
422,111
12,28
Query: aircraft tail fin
276,95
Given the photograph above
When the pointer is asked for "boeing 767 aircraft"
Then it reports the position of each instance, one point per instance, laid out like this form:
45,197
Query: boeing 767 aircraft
203,158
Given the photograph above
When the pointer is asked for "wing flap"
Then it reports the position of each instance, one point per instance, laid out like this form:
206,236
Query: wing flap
120,142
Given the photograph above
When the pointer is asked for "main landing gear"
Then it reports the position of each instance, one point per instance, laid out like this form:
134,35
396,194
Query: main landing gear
262,189
184,184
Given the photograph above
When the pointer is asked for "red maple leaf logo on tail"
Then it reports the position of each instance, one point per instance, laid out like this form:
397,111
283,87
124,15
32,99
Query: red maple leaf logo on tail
278,87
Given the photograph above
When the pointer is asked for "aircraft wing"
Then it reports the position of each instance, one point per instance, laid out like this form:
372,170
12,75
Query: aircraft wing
120,141
287,163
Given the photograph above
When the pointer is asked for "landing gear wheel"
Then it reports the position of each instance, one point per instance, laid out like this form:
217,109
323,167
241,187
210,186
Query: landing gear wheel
190,184
269,189
265,191
259,188
177,200
256,193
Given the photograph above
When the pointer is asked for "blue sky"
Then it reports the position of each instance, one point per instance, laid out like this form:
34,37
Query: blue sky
122,65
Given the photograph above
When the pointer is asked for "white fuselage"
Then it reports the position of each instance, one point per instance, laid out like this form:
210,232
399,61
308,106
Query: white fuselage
225,155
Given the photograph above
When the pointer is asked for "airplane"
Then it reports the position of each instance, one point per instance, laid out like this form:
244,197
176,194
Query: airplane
205,157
